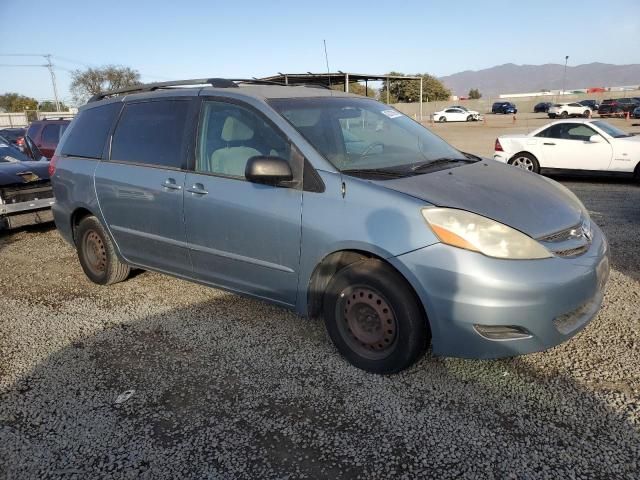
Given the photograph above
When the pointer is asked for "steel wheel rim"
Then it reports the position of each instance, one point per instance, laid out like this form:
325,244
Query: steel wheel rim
523,162
95,252
366,322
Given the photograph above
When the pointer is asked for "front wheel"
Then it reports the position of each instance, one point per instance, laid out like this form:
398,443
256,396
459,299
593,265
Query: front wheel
586,114
552,115
564,115
442,119
469,118
526,161
97,254
373,317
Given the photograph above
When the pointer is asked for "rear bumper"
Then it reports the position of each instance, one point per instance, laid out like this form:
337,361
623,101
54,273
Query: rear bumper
18,220
550,299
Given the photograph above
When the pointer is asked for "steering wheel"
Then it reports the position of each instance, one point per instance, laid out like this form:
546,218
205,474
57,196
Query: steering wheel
369,147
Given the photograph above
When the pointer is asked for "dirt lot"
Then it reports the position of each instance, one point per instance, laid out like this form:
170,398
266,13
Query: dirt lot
227,387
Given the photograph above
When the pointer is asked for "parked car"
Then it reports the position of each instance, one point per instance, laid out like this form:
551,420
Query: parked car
542,107
47,133
15,136
455,115
25,190
504,107
617,107
564,110
572,145
251,188
592,104
636,112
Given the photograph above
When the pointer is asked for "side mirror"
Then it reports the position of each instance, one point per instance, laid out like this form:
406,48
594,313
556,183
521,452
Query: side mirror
596,138
268,170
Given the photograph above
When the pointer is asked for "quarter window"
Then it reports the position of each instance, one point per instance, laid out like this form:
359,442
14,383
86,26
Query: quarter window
151,133
230,135
87,134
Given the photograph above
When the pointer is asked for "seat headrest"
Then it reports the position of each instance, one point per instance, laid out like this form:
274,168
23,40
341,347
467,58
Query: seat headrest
235,130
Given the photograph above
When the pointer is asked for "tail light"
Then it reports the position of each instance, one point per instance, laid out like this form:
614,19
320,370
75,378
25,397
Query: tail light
497,147
52,166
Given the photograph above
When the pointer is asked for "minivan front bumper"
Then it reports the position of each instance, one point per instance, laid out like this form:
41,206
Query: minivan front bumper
482,307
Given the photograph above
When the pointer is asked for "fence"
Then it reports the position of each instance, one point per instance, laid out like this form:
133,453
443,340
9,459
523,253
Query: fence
13,120
23,119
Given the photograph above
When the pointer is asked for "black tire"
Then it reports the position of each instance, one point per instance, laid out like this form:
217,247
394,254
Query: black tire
442,119
552,115
520,159
586,113
97,254
470,118
384,330
564,115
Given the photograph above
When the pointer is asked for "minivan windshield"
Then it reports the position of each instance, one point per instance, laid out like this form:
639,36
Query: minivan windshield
362,136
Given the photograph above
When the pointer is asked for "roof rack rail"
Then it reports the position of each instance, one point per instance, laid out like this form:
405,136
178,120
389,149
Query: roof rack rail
149,87
214,82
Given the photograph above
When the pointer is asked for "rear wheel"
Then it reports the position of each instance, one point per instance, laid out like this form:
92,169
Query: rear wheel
564,115
552,115
442,119
374,318
97,254
526,161
586,114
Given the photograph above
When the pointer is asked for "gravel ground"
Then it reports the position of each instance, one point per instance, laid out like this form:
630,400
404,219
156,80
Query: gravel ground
227,387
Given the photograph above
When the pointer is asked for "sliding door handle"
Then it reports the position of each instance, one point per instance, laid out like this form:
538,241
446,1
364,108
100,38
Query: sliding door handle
197,189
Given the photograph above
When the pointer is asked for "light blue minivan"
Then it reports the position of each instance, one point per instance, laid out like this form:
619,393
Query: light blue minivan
333,205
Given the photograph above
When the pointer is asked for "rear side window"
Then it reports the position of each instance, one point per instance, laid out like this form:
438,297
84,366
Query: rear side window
88,132
151,133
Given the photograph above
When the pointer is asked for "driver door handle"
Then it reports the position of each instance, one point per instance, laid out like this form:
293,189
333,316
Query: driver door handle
549,143
171,184
197,189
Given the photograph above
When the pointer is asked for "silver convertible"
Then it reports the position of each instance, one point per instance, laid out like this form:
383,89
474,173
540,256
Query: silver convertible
335,206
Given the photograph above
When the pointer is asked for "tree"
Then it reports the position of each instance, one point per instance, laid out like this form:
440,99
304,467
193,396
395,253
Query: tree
474,94
14,102
92,81
401,91
49,106
357,88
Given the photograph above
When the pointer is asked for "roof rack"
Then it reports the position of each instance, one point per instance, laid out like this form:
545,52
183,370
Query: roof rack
214,82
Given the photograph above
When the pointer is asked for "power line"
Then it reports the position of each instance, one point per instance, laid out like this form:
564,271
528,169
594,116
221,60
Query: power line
48,66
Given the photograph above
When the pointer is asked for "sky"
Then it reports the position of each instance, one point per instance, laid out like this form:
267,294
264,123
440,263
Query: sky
198,38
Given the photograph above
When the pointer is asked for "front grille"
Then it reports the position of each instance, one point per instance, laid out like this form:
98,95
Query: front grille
26,193
569,242
562,235
572,252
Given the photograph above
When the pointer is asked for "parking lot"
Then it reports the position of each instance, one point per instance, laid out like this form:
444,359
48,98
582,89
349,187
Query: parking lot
228,387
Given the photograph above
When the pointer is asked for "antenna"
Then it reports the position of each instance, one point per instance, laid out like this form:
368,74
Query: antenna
326,58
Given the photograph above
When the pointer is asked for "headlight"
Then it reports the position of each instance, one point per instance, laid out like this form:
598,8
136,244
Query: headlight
467,230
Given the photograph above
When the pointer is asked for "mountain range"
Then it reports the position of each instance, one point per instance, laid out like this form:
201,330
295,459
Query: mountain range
512,78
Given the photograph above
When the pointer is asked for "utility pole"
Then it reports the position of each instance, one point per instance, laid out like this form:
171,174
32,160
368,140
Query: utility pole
53,80
564,76
48,66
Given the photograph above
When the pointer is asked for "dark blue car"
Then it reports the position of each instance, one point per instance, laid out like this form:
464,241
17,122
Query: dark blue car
504,107
25,189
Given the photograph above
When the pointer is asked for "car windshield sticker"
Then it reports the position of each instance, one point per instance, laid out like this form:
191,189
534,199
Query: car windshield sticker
391,113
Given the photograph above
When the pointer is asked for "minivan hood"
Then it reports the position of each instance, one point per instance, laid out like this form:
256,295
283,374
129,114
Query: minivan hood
515,197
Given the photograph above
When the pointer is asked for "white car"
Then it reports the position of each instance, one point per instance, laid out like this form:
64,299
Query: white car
564,110
587,145
456,114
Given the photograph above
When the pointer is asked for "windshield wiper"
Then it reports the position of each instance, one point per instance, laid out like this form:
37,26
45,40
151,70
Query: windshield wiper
440,161
374,171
